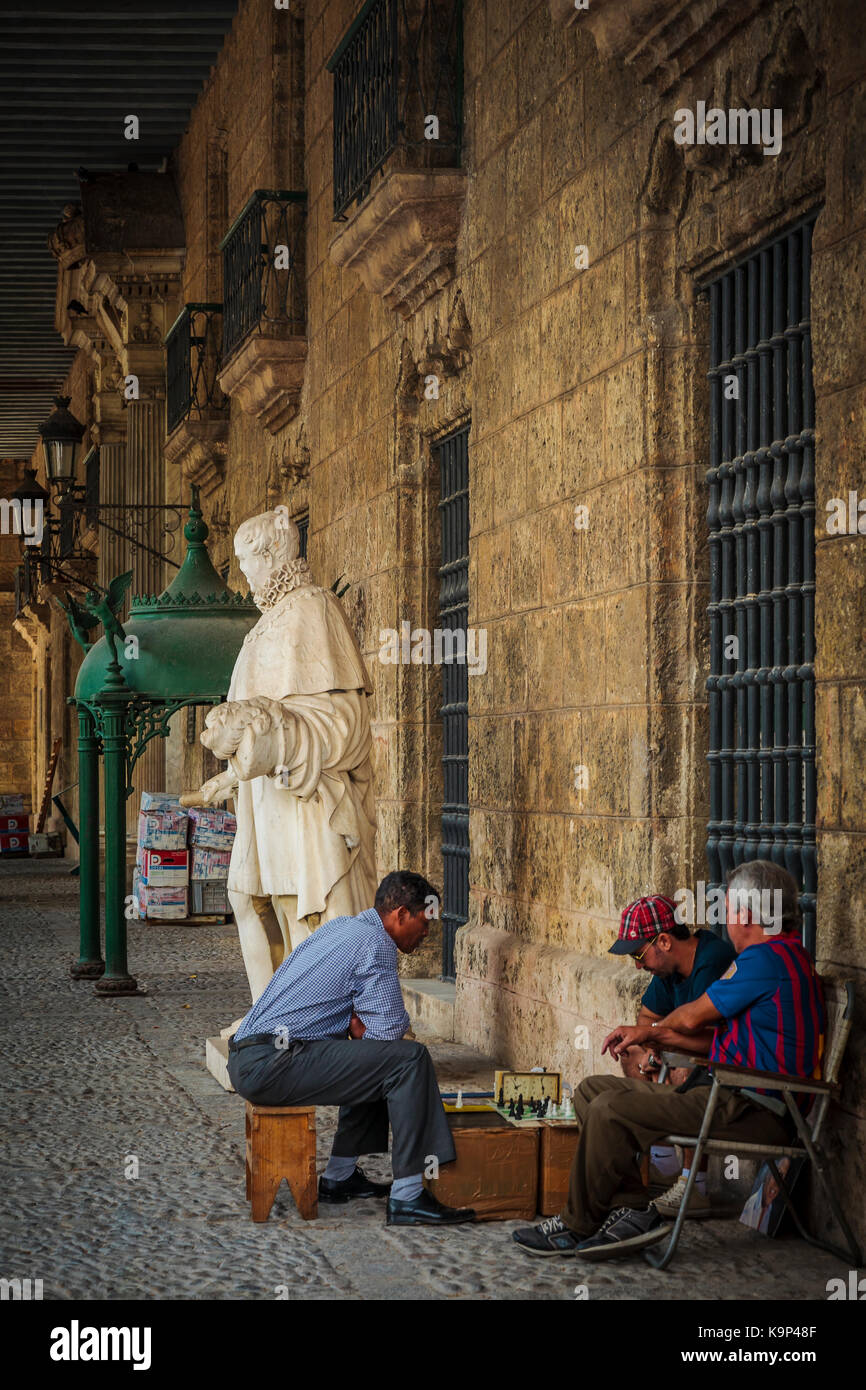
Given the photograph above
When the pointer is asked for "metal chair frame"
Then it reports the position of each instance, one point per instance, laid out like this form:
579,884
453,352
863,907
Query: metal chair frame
840,1010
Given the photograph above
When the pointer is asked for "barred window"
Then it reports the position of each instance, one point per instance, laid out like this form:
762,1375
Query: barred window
761,520
453,456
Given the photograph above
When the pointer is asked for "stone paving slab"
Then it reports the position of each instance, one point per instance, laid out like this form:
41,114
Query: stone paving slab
90,1084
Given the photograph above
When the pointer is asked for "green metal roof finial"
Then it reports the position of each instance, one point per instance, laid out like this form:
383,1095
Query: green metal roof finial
196,529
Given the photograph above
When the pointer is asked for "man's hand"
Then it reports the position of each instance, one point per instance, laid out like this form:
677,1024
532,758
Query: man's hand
623,1037
357,1029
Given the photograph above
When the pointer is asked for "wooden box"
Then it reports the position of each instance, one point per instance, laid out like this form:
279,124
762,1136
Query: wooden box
556,1149
496,1169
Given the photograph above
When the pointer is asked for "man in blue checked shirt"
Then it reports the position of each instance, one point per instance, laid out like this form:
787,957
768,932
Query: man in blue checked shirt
328,1030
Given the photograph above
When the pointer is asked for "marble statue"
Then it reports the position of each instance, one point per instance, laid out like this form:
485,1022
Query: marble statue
295,731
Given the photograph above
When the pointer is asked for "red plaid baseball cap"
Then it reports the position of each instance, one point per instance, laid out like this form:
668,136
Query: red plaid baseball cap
642,921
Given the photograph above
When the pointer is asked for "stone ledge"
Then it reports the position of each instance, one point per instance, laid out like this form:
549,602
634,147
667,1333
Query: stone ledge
200,449
663,39
430,1005
522,1000
217,1061
266,374
403,238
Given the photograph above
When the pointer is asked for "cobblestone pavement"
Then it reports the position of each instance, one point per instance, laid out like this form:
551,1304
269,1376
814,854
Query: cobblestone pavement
88,1082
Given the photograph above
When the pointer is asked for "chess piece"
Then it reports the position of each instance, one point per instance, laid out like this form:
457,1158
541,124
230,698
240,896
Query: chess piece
518,1114
459,1102
501,1101
511,1109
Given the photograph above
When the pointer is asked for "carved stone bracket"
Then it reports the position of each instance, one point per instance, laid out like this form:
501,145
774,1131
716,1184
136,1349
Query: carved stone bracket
294,466
402,239
200,448
266,374
663,39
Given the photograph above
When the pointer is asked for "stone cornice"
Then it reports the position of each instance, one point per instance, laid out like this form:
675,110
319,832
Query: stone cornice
266,373
200,449
402,239
663,39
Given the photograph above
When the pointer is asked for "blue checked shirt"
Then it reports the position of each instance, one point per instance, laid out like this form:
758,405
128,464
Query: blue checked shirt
348,965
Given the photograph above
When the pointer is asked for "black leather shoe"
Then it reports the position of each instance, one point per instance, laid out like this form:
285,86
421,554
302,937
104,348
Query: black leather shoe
358,1185
425,1210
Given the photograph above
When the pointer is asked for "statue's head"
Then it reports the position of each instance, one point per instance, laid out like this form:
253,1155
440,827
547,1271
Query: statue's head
264,543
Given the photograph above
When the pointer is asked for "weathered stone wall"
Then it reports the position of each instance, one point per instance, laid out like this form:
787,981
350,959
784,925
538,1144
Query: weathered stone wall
588,400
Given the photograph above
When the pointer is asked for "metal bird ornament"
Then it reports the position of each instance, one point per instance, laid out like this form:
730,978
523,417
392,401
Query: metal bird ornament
104,607
80,621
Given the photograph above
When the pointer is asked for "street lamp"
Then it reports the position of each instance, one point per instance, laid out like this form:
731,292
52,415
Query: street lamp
61,438
29,490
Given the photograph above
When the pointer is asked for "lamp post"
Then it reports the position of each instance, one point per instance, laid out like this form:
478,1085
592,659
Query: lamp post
61,436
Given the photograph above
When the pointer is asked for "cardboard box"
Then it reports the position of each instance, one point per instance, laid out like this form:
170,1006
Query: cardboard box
496,1169
162,829
165,868
38,844
161,801
557,1147
211,865
162,904
14,843
211,828
21,823
14,804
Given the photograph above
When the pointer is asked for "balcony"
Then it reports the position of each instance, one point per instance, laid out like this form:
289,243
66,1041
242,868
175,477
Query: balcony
398,129
196,408
264,326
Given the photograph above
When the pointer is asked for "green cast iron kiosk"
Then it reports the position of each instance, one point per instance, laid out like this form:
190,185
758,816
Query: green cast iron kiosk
186,640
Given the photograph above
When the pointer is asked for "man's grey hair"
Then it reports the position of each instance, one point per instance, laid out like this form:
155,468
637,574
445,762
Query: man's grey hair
273,532
768,891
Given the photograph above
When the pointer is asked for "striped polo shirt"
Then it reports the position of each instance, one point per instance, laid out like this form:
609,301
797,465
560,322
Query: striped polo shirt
773,1005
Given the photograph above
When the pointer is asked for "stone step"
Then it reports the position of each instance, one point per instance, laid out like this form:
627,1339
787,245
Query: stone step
430,1005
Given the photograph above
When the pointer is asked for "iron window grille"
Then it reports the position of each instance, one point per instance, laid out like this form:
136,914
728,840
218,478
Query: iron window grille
193,350
264,267
399,64
303,525
761,520
453,457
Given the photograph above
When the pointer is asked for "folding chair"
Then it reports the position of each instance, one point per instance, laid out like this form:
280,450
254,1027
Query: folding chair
839,999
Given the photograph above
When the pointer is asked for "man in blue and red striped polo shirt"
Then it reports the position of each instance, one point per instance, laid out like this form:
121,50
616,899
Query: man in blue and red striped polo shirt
768,1014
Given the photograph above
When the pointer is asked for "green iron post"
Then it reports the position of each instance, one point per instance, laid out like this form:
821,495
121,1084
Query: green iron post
114,703
90,963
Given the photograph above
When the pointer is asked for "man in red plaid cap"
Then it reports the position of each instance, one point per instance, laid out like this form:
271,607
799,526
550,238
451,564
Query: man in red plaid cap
683,964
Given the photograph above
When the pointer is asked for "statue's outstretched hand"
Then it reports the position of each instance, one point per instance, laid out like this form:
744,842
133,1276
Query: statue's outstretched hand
216,789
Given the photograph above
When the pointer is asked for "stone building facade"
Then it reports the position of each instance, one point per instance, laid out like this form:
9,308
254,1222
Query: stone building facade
547,290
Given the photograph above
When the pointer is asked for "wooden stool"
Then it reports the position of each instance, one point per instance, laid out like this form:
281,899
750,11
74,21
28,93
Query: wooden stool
281,1143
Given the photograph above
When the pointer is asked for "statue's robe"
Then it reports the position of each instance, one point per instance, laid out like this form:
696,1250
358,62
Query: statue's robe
313,826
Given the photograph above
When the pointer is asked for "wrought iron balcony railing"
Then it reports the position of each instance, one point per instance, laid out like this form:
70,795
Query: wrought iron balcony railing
398,84
193,347
263,267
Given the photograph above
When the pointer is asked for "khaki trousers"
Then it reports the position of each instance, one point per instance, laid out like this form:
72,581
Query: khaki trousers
621,1118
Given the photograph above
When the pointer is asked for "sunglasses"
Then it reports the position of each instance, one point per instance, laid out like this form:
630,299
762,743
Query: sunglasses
639,955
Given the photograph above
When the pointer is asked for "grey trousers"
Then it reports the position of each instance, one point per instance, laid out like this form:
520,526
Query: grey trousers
373,1083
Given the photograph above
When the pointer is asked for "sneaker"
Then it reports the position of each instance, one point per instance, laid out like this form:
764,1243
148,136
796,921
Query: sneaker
669,1205
625,1229
552,1237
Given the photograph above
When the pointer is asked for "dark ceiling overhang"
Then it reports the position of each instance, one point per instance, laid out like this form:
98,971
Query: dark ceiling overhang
69,75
